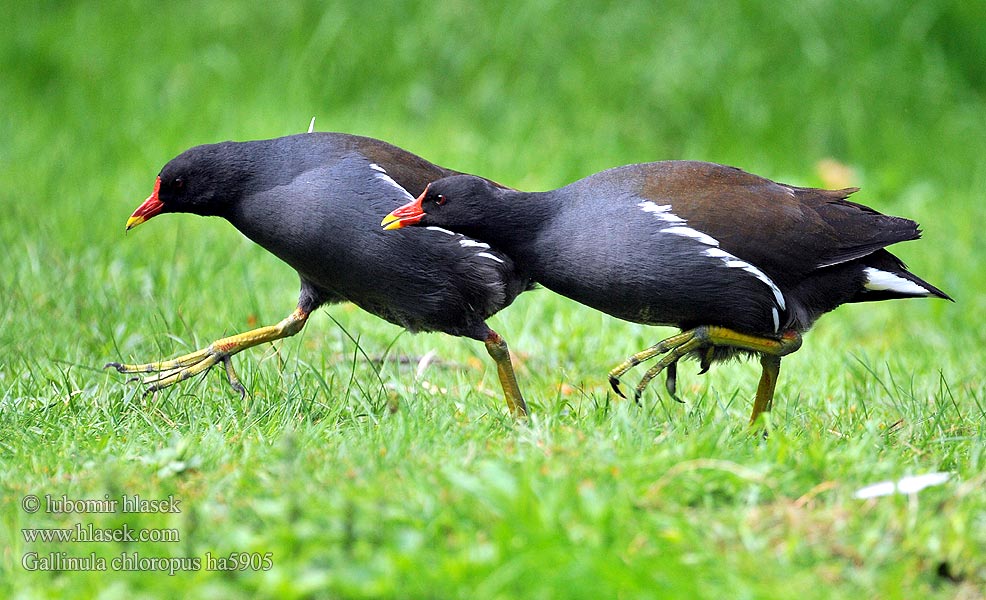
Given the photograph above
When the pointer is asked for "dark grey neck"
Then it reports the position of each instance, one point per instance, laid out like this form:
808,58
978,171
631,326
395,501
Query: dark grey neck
514,221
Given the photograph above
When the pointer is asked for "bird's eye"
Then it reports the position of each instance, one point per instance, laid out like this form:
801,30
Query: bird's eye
179,183
440,199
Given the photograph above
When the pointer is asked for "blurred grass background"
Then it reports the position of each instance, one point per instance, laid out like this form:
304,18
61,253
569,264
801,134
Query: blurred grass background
446,498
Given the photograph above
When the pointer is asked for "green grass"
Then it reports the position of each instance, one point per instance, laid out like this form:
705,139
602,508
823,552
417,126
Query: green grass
363,480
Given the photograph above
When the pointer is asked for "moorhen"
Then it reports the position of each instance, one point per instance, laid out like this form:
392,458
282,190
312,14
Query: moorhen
739,263
314,201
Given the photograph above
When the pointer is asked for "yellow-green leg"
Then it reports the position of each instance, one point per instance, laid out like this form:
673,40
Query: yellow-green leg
764,400
708,337
497,349
169,372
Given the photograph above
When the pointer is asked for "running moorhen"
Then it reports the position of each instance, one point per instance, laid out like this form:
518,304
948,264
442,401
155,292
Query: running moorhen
739,263
314,200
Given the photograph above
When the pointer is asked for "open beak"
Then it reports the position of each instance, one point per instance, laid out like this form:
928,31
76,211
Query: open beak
409,214
151,207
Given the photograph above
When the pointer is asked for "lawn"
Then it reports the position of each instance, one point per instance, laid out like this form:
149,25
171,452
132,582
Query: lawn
346,472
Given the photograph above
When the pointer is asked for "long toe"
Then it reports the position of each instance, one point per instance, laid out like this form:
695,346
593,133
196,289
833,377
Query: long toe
234,380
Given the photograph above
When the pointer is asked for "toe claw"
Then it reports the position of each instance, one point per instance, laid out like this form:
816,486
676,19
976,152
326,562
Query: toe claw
706,361
671,383
234,381
615,384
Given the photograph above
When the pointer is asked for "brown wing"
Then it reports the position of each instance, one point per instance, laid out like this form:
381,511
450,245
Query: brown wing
787,231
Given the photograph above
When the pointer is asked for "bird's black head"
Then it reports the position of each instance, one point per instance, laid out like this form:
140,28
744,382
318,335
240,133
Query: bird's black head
454,202
203,180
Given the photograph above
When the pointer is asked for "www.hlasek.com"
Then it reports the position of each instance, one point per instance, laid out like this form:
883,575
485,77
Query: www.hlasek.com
125,561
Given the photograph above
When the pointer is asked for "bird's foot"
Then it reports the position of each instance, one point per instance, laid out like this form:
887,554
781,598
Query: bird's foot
670,383
635,359
706,339
159,375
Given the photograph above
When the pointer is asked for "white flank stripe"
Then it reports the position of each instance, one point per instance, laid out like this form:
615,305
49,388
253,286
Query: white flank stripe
466,243
490,256
877,280
731,261
439,229
661,211
777,318
763,277
384,177
692,233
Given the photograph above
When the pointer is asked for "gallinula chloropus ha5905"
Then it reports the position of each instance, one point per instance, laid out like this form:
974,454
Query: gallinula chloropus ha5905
739,263
314,201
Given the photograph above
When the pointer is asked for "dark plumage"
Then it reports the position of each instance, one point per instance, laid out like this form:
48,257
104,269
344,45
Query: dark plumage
738,262
314,201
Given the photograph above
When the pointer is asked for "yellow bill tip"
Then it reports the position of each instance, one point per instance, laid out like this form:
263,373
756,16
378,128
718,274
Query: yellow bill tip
134,221
391,221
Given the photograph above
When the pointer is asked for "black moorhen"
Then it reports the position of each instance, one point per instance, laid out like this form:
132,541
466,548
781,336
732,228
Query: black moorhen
314,200
739,263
